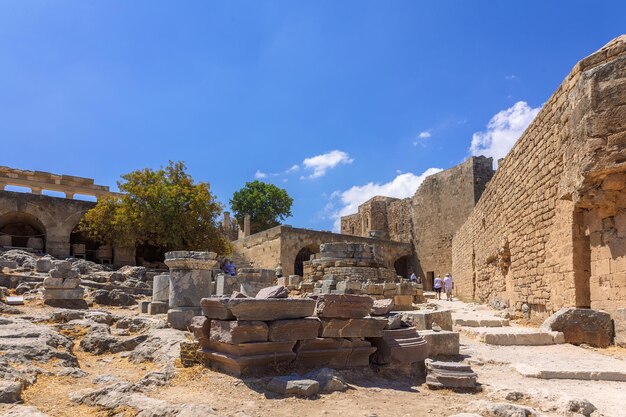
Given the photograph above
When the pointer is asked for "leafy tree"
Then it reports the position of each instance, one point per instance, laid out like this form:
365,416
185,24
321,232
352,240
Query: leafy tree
266,204
163,208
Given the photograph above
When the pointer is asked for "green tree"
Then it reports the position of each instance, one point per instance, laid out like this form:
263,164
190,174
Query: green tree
163,207
266,204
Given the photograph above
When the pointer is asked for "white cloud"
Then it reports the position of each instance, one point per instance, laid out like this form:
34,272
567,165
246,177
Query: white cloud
404,185
321,163
510,77
503,130
293,168
424,135
258,174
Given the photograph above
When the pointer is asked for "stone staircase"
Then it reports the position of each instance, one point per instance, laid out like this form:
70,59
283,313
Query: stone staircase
497,331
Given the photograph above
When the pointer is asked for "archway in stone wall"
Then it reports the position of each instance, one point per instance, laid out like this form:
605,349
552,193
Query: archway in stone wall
402,266
82,246
22,230
149,255
303,255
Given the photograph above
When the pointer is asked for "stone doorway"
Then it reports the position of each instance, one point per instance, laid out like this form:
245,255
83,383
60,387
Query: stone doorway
303,255
22,230
401,265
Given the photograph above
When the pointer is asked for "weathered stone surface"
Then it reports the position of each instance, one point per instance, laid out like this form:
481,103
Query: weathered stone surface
382,307
278,291
180,317
271,309
63,294
114,297
402,346
216,308
10,392
442,343
200,326
294,330
6,263
333,352
143,306
247,365
367,327
294,385
43,265
449,375
619,319
161,288
580,325
240,331
344,306
423,319
157,307
486,408
580,406
67,283
248,349
329,380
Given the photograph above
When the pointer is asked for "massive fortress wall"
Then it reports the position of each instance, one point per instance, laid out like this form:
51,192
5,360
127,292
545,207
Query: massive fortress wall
550,228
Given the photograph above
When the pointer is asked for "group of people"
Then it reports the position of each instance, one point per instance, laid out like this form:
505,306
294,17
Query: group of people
446,284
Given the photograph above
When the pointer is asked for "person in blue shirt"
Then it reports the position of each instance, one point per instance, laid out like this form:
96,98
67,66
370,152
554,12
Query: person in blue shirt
229,268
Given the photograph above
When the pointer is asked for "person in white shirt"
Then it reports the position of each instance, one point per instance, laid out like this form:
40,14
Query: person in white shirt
448,284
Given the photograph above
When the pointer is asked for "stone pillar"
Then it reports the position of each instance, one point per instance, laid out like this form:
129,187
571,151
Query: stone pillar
190,281
160,294
69,196
246,225
36,190
226,222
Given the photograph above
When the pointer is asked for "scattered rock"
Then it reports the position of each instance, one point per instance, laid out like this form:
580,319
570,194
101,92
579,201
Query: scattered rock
394,322
86,267
273,292
10,392
43,265
381,307
73,372
489,409
580,406
582,325
114,297
294,385
514,396
137,272
23,411
329,380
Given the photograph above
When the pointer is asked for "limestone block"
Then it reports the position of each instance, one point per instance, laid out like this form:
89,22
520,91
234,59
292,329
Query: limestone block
248,349
216,308
63,274
62,266
143,306
161,288
401,346
363,327
271,309
43,265
449,375
580,325
441,343
188,286
332,352
293,330
240,331
620,327
423,319
374,289
157,307
294,385
63,293
68,283
403,301
180,317
344,306
6,263
278,291
382,307
258,364
294,280
200,327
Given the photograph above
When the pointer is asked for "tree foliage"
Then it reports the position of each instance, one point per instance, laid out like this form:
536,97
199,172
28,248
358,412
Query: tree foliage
266,204
163,208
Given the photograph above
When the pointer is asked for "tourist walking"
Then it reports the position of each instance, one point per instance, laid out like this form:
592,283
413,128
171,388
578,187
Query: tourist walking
448,285
438,284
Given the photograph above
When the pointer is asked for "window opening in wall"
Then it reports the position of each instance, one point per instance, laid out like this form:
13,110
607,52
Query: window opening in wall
430,280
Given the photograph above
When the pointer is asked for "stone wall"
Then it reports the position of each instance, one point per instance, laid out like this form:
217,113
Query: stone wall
550,228
282,244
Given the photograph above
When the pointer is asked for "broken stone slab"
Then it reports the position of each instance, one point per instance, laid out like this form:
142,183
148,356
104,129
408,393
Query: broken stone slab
180,317
68,283
344,306
247,365
382,307
365,327
329,380
15,300
531,371
480,322
277,291
271,309
69,274
581,325
294,329
294,385
143,306
63,293
487,408
10,392
240,331
423,319
216,308
515,336
333,353
441,343
619,319
401,346
6,263
248,349
43,265
452,375
161,288
200,327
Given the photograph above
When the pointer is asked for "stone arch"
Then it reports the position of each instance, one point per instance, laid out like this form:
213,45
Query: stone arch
22,230
402,265
303,255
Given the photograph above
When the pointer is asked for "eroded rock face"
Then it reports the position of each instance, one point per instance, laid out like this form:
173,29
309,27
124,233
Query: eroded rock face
344,306
294,385
581,325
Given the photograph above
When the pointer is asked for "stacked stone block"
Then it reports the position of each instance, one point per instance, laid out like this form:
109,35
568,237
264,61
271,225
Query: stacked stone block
160,294
62,287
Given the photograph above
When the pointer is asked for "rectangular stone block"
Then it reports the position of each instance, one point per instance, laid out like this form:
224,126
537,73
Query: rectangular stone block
442,343
247,365
143,306
249,349
157,307
68,283
241,331
423,319
200,326
344,306
294,330
366,327
271,309
322,352
403,301
63,294
216,308
620,327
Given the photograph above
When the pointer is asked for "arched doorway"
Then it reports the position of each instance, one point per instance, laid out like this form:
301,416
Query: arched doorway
22,230
401,265
81,246
303,255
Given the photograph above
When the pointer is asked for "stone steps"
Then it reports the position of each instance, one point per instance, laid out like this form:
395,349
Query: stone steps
578,374
513,336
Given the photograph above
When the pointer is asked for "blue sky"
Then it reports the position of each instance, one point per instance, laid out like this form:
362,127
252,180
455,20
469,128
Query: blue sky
333,100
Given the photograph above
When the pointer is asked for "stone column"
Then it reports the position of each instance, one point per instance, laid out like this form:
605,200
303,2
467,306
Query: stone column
226,221
69,195
160,294
246,226
190,281
35,190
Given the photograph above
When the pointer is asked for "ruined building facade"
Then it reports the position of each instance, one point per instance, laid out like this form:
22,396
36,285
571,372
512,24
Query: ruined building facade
428,220
550,228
